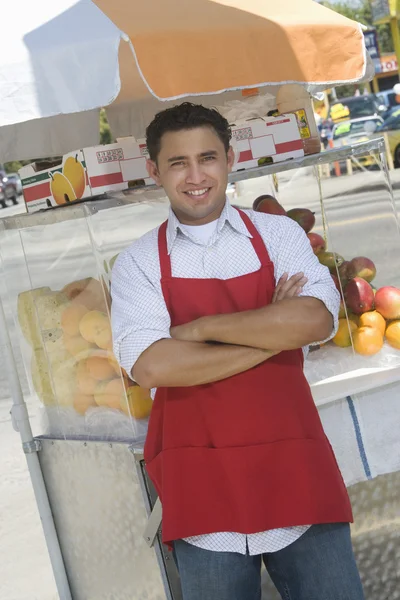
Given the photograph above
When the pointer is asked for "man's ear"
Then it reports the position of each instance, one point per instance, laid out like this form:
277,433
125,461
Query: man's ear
152,170
231,158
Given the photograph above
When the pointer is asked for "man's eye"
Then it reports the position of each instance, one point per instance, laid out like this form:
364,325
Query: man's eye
208,158
177,164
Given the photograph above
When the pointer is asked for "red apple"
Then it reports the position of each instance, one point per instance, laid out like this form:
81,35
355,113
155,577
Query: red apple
268,204
304,217
344,274
363,267
317,242
387,302
359,296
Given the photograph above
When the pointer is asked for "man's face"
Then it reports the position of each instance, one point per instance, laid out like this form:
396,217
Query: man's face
192,167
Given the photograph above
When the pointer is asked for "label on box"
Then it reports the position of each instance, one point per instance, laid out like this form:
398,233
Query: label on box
302,122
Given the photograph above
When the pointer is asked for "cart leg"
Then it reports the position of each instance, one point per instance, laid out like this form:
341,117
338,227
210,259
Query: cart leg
31,447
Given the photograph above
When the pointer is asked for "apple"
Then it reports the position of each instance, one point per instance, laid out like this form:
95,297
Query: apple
363,267
304,217
268,204
317,242
359,296
387,302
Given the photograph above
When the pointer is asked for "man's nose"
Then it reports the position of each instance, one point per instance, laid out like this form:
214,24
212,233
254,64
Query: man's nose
195,174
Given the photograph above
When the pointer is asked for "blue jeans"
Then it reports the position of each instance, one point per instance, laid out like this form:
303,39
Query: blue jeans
320,565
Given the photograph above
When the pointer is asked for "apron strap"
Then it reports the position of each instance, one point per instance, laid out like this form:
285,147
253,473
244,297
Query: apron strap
257,241
165,260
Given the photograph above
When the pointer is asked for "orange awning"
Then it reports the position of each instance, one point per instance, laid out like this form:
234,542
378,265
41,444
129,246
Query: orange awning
190,47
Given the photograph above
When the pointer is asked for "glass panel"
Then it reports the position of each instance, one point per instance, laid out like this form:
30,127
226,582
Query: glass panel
15,280
356,220
113,226
61,311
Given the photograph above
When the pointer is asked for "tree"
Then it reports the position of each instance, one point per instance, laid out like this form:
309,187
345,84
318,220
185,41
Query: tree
362,13
105,132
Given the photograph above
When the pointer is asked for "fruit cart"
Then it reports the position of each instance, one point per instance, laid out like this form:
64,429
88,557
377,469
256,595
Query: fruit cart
82,422
86,421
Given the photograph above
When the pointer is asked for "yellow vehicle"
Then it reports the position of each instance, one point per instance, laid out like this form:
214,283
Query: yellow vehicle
391,126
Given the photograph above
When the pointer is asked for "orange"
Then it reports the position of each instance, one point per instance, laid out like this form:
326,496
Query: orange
344,333
82,402
393,334
373,319
367,341
99,368
137,402
71,317
93,324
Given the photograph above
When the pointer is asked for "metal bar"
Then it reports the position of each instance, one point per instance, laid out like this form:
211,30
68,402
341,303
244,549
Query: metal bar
153,524
113,199
20,419
328,156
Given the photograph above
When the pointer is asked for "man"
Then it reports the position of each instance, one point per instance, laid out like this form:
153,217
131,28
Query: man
235,447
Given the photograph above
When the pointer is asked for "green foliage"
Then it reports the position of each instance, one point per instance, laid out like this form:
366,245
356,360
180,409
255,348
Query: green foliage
15,165
105,132
362,13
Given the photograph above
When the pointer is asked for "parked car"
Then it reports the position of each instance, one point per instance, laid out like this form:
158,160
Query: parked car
8,191
14,178
354,131
389,99
356,107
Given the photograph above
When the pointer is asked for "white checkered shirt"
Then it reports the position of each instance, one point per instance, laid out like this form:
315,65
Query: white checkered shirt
140,316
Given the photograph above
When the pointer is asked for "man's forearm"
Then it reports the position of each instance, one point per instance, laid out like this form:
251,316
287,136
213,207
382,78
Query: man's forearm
286,325
174,363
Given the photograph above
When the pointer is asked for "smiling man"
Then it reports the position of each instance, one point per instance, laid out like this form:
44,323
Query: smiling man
212,309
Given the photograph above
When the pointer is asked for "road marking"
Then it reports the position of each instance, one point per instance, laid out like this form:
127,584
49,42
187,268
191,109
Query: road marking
357,220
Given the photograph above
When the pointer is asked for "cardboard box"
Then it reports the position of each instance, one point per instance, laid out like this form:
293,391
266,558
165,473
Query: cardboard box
268,140
85,173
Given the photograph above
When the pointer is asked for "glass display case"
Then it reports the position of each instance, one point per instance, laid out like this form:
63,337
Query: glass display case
57,267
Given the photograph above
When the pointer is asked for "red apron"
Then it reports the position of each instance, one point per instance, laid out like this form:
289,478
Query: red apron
247,453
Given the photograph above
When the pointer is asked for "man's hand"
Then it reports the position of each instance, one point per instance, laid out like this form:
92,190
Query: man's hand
289,287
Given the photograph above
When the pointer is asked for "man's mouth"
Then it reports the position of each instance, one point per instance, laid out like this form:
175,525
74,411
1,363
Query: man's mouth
198,193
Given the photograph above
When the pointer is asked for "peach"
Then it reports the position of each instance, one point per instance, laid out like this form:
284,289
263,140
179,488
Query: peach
88,292
71,317
86,384
93,324
99,368
109,393
76,345
82,402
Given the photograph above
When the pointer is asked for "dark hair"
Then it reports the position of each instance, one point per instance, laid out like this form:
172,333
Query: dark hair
185,116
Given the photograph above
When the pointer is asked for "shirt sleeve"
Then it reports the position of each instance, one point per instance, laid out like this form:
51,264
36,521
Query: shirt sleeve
139,316
293,255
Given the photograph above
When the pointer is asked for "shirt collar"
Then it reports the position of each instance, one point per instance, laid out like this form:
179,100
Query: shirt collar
229,215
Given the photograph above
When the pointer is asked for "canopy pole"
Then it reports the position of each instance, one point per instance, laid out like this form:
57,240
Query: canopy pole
20,420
